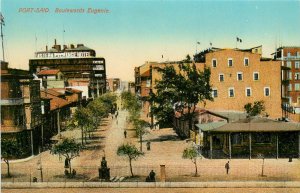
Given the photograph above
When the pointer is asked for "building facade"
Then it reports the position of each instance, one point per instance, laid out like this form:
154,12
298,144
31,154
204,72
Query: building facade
290,62
113,84
239,77
81,68
20,109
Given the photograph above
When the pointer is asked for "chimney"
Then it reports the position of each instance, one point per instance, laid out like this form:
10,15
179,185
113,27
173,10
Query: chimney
65,47
46,48
54,41
79,45
72,46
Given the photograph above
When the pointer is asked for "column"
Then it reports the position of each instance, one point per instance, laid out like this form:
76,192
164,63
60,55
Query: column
229,142
162,173
299,144
58,122
210,145
31,140
277,146
250,147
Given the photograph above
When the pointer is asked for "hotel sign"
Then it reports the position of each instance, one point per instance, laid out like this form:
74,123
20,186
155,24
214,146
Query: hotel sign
63,55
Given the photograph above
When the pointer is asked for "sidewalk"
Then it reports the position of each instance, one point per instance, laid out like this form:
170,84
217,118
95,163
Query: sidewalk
220,184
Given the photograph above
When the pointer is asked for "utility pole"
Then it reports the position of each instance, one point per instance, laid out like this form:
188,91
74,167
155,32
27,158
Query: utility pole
2,24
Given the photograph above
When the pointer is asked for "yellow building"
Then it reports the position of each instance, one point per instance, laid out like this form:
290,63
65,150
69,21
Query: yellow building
241,76
238,77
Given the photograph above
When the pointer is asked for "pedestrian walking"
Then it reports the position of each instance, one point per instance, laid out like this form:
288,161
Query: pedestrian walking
227,167
125,133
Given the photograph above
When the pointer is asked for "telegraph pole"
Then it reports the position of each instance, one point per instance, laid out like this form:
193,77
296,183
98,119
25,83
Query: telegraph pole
2,24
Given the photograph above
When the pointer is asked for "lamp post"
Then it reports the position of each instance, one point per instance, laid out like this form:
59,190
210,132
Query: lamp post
151,103
40,166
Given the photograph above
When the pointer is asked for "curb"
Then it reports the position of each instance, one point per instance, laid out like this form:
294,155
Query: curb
217,184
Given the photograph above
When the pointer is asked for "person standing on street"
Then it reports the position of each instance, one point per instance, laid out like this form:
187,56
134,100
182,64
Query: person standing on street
227,167
125,133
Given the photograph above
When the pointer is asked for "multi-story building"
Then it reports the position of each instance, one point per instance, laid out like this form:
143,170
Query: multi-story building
81,68
290,62
113,84
20,109
238,77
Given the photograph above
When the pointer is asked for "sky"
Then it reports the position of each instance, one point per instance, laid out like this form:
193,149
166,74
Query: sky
132,32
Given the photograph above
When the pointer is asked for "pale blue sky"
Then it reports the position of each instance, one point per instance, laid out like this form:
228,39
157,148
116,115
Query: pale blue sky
137,31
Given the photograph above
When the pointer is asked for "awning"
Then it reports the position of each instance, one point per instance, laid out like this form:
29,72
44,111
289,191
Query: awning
211,125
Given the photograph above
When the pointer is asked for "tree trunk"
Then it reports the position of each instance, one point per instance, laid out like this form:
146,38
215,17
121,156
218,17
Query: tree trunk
85,137
141,142
70,166
130,167
7,163
81,135
196,168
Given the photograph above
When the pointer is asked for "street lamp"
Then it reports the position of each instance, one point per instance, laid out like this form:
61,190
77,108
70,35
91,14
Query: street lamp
40,166
151,104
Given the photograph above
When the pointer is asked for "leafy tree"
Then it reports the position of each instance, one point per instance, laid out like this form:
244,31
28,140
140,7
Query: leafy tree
9,150
254,109
68,148
181,91
98,111
131,103
83,119
108,99
140,127
131,152
191,153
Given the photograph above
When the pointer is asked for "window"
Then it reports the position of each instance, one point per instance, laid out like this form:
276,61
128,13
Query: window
246,61
214,93
297,76
290,87
221,77
289,64
297,86
267,91
230,62
298,53
248,91
289,54
255,76
262,137
239,76
297,65
289,76
231,92
214,63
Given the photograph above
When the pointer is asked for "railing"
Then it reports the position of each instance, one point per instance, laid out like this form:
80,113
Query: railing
290,57
12,101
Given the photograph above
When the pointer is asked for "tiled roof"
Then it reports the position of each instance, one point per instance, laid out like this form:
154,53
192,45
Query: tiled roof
48,72
55,102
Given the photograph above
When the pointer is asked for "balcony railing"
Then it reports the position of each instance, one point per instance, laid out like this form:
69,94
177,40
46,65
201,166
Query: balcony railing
12,101
290,58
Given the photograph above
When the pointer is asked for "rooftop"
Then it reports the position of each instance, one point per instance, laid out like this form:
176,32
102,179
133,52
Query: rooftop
49,72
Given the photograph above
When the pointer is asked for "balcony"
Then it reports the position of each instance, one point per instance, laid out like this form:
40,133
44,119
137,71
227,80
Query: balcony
12,101
291,58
